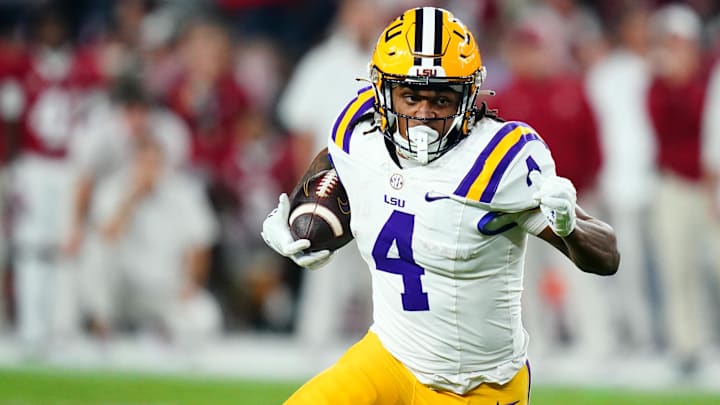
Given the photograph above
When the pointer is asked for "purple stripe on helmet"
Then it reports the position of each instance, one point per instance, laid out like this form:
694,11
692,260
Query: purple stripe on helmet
364,108
479,164
489,192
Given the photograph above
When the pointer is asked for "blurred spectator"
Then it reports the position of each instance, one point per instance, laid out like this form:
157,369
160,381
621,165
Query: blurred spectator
261,69
259,288
296,25
151,230
103,145
714,36
161,66
710,146
105,140
206,94
13,65
332,67
572,31
488,26
682,222
119,40
321,85
544,92
617,88
58,84
12,103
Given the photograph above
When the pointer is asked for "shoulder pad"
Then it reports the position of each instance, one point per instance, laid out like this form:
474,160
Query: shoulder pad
355,111
500,176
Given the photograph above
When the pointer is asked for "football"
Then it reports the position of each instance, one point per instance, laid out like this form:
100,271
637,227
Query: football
320,212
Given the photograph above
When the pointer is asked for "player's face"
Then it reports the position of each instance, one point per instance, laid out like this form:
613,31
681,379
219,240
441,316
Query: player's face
427,107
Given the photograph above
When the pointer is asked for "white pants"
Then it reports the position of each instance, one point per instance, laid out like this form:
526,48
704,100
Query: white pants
584,306
631,290
543,316
112,293
687,244
44,281
334,294
4,243
45,298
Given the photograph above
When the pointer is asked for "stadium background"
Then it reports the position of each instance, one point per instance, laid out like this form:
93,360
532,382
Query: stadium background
244,152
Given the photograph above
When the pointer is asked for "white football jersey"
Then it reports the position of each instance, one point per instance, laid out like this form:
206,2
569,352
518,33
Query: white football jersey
446,274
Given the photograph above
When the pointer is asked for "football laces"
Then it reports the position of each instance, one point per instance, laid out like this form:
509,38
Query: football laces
327,184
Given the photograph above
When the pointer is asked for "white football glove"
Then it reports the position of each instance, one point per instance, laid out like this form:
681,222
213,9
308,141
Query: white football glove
557,198
276,233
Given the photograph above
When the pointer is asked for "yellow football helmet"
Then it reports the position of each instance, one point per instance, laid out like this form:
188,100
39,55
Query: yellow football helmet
427,46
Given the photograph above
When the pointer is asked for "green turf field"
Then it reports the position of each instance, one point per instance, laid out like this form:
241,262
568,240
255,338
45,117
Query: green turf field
56,387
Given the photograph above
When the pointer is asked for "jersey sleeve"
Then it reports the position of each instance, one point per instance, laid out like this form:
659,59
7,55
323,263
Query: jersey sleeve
345,123
500,176
532,221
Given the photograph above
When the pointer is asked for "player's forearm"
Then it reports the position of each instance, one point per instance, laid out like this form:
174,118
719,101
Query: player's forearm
320,163
592,246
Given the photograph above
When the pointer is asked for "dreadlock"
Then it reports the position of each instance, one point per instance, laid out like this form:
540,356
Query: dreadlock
485,112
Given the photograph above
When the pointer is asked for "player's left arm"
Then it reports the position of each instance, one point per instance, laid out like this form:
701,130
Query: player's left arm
589,242
591,245
276,230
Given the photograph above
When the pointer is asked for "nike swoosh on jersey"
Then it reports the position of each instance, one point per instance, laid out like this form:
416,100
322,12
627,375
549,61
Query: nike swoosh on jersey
435,197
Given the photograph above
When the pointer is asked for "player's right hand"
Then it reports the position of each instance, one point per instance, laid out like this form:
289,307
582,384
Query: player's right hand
276,233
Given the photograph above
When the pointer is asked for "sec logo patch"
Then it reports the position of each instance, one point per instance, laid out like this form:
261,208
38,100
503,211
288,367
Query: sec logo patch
396,181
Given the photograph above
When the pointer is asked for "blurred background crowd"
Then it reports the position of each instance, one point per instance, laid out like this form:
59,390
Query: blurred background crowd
144,142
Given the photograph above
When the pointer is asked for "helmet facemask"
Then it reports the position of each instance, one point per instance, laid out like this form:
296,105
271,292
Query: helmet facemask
421,142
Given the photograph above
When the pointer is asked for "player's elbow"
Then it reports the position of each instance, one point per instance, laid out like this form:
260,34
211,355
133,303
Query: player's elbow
614,263
610,267
599,268
612,259
604,264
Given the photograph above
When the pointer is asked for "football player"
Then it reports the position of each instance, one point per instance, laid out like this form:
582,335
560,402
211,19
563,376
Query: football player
443,196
